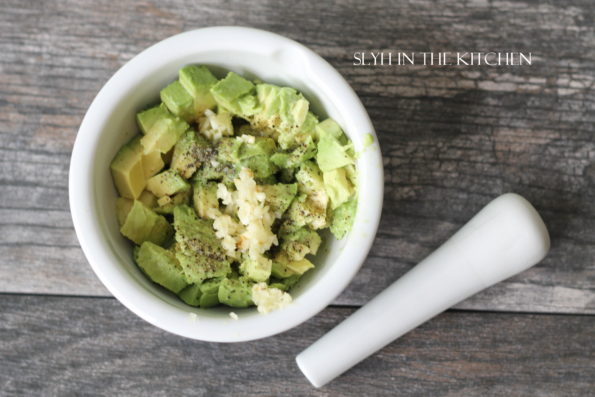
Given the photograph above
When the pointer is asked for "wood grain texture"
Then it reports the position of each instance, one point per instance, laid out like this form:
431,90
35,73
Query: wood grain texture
55,346
452,138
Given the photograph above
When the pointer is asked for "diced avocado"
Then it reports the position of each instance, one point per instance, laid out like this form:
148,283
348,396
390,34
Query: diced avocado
309,178
311,183
230,93
198,249
299,137
299,243
255,156
191,294
178,101
337,186
163,201
285,284
281,110
235,292
260,166
189,153
148,199
330,127
351,174
216,125
342,218
210,293
305,211
175,200
147,118
284,267
256,270
205,197
161,266
262,146
228,149
163,135
143,224
197,81
279,197
152,164
304,151
127,169
167,183
216,171
123,206
331,153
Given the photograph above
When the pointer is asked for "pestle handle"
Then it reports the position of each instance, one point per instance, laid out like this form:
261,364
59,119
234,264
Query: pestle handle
505,238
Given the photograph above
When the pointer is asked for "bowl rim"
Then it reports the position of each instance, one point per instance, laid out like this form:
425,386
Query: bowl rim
82,195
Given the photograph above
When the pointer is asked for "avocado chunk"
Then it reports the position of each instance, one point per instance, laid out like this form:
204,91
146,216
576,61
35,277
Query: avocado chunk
173,201
123,206
256,156
299,243
311,183
143,224
331,153
216,171
127,169
148,199
300,136
285,284
304,151
256,270
198,249
235,94
330,127
197,81
253,153
191,294
178,101
235,292
337,186
228,149
147,118
284,267
161,266
205,197
152,164
189,153
342,218
163,135
167,183
281,111
279,197
210,292
304,211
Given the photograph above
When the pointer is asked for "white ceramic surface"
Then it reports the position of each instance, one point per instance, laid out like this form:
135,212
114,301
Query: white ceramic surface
110,121
505,238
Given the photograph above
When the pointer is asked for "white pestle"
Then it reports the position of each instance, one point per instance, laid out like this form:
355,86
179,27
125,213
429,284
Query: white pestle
505,238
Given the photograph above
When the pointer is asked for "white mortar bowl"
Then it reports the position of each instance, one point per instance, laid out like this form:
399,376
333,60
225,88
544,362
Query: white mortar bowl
110,122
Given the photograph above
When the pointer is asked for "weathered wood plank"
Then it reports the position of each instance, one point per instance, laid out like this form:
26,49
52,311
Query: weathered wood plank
62,346
452,138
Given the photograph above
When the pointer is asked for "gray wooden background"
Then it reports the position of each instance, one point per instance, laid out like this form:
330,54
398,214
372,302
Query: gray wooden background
452,139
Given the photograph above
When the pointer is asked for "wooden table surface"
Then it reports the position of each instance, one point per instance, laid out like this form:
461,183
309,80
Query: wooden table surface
452,139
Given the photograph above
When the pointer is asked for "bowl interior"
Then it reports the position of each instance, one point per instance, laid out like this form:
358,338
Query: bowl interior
111,122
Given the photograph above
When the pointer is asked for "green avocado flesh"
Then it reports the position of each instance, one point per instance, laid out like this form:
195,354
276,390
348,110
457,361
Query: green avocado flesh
227,186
